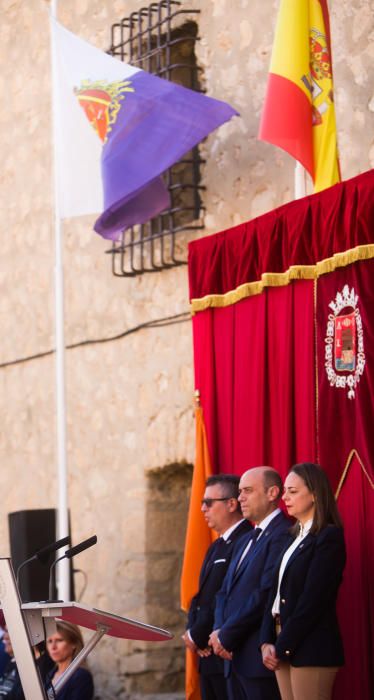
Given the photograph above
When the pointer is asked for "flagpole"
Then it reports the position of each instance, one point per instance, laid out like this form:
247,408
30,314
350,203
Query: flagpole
300,181
63,581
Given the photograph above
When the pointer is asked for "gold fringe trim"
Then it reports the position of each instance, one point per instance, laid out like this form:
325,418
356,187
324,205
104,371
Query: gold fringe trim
346,469
281,279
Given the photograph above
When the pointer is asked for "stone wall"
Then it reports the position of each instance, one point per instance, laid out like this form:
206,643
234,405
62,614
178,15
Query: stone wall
129,410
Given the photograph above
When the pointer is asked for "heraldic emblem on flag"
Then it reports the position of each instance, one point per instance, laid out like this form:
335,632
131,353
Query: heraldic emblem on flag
144,124
101,103
344,342
319,80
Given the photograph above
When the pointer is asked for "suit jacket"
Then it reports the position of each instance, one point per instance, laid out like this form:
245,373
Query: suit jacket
79,686
201,612
242,599
310,633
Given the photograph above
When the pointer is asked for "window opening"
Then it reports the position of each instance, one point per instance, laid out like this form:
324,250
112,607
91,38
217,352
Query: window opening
161,39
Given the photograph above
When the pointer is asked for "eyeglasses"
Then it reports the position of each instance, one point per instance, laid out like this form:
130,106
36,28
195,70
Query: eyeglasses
208,502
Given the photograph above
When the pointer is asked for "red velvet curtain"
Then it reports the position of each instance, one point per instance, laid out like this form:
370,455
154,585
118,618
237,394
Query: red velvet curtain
356,603
346,423
260,366
300,233
254,367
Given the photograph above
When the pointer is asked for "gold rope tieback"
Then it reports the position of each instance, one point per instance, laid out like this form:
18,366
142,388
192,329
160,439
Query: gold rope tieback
346,468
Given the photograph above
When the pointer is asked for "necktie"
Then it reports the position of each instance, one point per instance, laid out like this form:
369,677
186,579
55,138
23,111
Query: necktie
255,535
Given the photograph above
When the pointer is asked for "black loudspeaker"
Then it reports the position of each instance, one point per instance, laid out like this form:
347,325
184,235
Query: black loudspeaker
29,531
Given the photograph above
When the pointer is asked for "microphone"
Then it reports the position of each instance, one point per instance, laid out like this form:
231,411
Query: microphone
80,547
42,554
68,555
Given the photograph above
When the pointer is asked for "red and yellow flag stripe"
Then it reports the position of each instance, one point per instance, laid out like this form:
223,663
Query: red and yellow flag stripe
299,111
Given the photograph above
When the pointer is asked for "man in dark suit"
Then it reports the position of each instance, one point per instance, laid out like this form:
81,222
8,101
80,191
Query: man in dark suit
222,513
242,599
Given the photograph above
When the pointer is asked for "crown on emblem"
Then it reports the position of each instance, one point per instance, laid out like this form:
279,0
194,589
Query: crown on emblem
343,299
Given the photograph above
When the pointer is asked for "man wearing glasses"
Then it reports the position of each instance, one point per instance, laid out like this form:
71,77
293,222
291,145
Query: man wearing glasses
222,513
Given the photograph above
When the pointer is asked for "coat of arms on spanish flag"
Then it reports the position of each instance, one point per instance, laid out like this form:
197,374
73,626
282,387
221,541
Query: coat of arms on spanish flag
299,112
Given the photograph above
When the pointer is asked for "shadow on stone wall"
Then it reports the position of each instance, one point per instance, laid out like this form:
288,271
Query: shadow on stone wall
166,507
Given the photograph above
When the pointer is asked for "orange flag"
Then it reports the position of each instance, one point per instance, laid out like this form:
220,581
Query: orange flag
299,112
192,676
198,538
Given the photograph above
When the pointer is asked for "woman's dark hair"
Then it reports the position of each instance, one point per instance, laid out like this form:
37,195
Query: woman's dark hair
229,484
316,481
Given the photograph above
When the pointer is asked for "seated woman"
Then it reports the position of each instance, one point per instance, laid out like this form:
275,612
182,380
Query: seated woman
63,647
300,638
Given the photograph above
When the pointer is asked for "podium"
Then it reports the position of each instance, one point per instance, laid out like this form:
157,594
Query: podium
30,623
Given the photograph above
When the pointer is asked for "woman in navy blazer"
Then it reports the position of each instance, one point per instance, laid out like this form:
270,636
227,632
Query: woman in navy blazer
63,647
300,638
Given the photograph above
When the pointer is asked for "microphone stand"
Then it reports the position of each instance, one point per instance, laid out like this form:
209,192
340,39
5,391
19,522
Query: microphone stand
68,555
51,571
42,555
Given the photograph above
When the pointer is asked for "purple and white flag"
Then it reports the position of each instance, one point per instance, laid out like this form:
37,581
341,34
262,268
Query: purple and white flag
141,126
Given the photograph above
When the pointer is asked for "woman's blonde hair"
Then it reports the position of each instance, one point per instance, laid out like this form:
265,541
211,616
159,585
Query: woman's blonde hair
72,634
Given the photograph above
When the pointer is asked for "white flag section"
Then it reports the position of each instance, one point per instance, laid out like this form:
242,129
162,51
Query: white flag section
140,126
78,148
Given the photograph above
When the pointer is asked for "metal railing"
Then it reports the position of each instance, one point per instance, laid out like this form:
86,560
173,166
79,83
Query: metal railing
161,39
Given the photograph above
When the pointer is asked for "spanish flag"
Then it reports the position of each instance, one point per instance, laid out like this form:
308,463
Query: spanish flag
198,538
299,112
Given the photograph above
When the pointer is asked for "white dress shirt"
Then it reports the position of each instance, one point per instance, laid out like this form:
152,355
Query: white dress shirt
231,529
262,525
304,530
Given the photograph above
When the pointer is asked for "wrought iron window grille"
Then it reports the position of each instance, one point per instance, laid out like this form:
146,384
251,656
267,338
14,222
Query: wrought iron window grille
161,39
